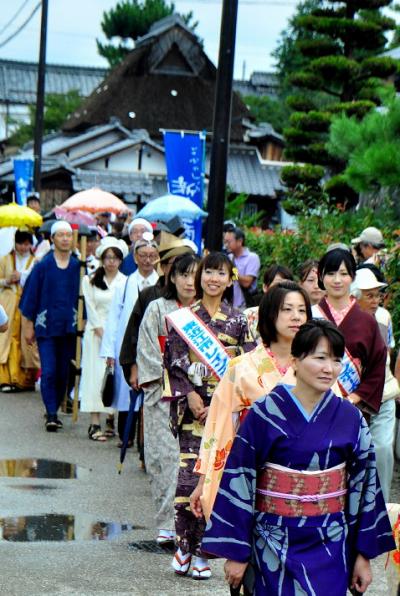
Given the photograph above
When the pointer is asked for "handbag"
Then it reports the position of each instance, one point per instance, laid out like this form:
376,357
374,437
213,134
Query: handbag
107,387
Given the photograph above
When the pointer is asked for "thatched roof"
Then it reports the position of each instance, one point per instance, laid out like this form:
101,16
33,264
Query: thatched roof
166,82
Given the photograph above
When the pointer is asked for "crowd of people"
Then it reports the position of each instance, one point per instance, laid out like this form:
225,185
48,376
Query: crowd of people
265,408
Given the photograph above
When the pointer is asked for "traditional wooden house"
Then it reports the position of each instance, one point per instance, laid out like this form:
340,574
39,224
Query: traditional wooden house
115,139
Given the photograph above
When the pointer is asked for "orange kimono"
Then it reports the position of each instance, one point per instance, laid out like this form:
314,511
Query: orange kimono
248,377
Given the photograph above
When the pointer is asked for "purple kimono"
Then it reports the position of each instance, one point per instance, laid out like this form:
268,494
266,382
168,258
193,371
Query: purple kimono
295,556
230,327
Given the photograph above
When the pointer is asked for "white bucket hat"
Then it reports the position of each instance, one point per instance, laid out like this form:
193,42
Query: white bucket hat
366,280
111,242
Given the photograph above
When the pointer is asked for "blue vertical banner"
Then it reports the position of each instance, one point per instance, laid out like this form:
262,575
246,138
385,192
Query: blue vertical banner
23,175
185,160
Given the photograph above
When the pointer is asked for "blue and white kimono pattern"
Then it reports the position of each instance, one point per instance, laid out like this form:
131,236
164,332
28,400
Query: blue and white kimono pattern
300,556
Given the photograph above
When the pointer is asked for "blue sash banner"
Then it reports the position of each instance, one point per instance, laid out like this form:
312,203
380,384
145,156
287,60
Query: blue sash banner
23,175
185,160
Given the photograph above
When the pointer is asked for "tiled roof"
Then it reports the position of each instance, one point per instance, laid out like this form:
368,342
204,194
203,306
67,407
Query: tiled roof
260,83
18,80
120,183
246,173
163,25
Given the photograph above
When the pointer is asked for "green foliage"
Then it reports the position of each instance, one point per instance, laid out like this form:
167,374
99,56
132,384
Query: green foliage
234,210
300,103
311,121
265,109
131,19
340,192
379,67
338,68
315,232
318,47
353,108
311,175
371,148
333,69
57,108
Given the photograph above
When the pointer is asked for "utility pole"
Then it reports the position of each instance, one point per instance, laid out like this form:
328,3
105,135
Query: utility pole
221,126
37,146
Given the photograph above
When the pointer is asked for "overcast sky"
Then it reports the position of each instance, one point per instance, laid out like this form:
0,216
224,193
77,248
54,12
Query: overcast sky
74,26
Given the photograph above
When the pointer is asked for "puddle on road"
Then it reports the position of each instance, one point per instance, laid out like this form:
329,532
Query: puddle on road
59,528
40,468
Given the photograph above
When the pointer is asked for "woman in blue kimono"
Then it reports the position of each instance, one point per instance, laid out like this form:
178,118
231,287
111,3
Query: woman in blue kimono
300,498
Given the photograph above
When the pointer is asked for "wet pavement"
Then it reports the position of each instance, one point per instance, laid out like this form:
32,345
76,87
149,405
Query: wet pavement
70,524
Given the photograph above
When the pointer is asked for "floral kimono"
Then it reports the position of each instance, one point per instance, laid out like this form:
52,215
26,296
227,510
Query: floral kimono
248,378
186,374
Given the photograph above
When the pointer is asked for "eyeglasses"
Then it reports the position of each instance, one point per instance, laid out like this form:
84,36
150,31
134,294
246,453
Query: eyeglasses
145,256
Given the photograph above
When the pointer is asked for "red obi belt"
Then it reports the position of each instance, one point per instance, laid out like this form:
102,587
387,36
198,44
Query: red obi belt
297,493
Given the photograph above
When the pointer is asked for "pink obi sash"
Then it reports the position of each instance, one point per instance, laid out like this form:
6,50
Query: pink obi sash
297,493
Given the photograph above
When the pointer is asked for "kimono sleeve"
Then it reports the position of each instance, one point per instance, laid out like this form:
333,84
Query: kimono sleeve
91,312
218,431
176,365
30,301
109,341
373,377
149,357
370,533
229,532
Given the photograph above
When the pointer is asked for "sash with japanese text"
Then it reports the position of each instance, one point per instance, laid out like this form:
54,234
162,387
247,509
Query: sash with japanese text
200,340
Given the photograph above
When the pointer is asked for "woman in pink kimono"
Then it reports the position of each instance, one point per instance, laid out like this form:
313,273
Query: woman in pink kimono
283,309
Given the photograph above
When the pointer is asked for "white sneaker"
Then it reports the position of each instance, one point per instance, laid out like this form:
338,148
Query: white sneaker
165,536
201,568
181,562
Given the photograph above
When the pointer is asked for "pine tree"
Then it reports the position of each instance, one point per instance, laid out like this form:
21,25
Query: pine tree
342,72
129,20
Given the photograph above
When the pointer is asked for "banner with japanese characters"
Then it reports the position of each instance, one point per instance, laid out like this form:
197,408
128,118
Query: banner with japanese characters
23,175
185,160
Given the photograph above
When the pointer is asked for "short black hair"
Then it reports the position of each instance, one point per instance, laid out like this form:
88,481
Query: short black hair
275,270
183,264
331,262
214,260
32,198
21,237
271,304
238,233
307,338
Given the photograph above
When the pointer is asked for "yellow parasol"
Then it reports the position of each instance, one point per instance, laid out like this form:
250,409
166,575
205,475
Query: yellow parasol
17,216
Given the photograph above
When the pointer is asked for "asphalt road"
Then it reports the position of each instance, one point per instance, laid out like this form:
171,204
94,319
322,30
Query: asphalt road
81,546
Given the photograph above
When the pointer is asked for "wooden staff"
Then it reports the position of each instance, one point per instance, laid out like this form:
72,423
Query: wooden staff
79,326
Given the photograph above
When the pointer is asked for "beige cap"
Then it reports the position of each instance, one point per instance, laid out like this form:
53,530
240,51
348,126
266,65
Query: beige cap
370,235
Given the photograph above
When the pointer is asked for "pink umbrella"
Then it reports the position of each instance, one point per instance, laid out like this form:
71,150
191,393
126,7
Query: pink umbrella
75,217
94,200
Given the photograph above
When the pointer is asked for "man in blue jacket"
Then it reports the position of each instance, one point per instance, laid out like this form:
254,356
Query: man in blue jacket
49,303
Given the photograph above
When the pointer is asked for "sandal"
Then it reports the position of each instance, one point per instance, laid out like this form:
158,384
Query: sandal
181,562
95,434
110,428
